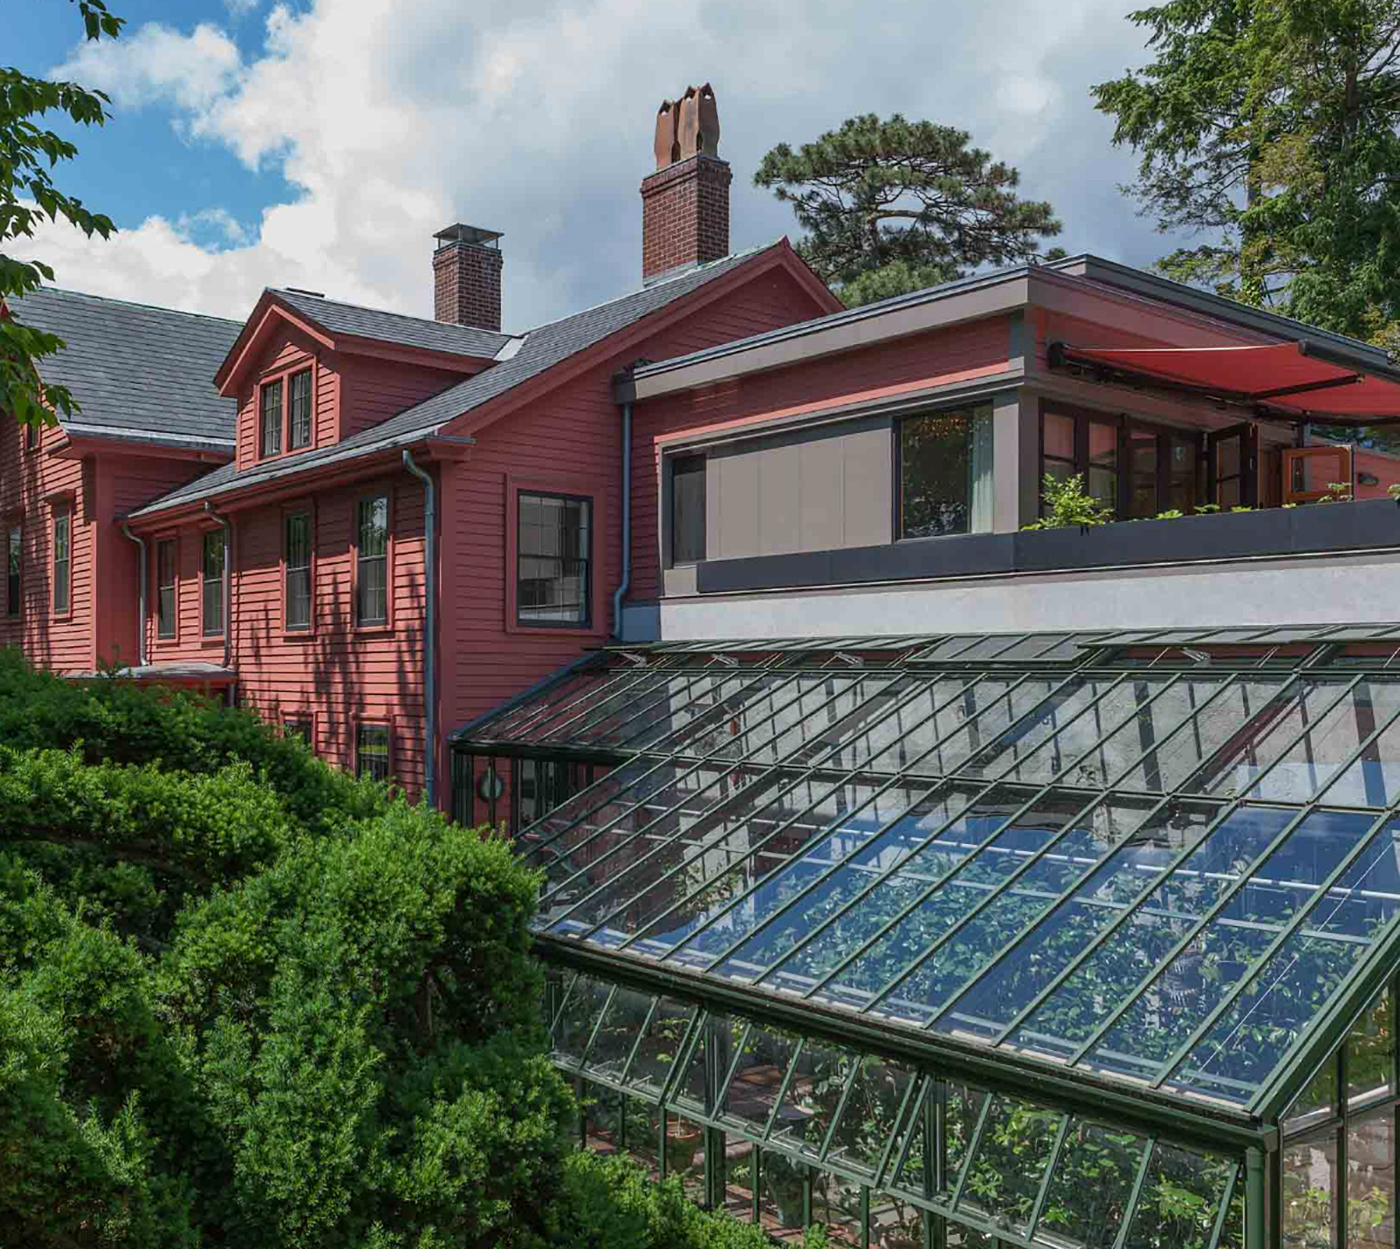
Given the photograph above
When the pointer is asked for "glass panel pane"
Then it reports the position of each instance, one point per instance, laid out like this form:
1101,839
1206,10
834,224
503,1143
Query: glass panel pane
1063,933
603,1129
685,1155
987,711
1073,1012
687,509
1281,1002
809,1107
1011,1160
836,1206
935,463
1317,1103
1059,435
781,1205
895,1224
1142,470
642,1135
1220,956
1371,1183
1309,1194
1092,1185
1370,1059
752,1093
1180,1199
868,1124
899,718
660,1047
577,1017
739,1155
617,1033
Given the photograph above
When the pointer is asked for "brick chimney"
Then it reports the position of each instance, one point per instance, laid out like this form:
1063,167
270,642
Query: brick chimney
685,203
467,277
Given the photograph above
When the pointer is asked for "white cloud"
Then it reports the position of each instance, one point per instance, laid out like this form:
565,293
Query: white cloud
534,116
240,8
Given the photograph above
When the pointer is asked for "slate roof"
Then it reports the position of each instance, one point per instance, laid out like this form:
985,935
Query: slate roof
140,373
392,327
540,349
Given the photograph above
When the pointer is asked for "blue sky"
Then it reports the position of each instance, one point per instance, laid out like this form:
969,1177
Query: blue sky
320,143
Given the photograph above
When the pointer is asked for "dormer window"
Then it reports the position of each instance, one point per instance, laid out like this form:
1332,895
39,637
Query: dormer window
285,414
272,418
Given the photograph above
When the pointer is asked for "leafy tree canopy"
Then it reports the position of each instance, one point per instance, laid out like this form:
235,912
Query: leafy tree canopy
247,1000
29,197
892,206
1269,128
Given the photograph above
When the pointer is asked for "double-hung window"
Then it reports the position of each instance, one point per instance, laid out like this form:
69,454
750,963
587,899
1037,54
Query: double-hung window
299,411
553,560
372,751
687,509
272,418
165,588
215,554
14,558
372,562
297,561
62,561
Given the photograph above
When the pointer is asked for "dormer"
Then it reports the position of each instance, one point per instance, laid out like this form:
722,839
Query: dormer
308,371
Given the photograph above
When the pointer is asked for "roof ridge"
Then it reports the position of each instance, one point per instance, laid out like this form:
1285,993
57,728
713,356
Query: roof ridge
132,303
389,312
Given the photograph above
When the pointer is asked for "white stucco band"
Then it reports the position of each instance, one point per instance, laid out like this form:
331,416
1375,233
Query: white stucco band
1335,589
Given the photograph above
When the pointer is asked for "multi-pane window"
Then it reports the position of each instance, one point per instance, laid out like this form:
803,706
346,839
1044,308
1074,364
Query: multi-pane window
215,555
298,726
165,588
553,558
13,562
372,560
31,436
62,560
372,751
687,509
272,418
945,473
298,570
541,785
299,411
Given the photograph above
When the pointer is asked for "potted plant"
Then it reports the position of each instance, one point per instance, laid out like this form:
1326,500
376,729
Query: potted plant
682,1140
783,1179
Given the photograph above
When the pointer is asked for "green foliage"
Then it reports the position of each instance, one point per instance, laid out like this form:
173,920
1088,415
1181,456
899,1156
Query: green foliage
1271,127
1068,504
29,197
892,206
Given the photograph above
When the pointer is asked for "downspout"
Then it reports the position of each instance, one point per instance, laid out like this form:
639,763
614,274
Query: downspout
626,518
430,629
228,580
141,620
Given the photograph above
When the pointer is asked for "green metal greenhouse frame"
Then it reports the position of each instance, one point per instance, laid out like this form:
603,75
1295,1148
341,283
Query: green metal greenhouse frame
1103,918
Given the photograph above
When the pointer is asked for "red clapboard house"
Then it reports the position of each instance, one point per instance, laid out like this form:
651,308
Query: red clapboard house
370,527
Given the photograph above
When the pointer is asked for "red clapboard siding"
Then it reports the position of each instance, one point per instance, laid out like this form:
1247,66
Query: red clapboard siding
375,390
918,359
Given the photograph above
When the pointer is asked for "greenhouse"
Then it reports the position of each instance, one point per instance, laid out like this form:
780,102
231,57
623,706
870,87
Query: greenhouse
1071,940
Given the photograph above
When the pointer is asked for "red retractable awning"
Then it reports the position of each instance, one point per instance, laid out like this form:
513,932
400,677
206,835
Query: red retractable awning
1283,376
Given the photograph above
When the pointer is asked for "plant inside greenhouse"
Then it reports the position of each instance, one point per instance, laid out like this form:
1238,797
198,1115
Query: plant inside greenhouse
1085,941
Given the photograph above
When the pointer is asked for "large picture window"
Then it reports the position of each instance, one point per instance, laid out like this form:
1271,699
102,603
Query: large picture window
165,588
272,418
14,560
298,570
372,562
553,558
687,509
945,473
214,556
62,561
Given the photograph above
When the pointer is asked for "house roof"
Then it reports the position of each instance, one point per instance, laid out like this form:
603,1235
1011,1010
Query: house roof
391,327
1102,273
138,372
539,350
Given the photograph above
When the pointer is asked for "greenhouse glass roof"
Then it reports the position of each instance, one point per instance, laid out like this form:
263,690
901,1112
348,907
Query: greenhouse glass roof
1163,864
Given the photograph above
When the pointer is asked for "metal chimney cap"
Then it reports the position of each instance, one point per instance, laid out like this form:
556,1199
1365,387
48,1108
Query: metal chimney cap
476,236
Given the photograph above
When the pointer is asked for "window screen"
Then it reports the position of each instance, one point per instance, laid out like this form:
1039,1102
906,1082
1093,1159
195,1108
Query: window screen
165,588
372,581
687,509
553,558
298,571
213,569
62,555
299,415
272,418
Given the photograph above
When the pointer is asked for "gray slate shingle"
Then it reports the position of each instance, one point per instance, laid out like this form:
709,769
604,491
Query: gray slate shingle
542,349
136,368
392,327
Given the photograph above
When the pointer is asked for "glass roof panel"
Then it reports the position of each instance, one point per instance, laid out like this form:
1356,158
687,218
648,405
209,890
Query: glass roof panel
1155,877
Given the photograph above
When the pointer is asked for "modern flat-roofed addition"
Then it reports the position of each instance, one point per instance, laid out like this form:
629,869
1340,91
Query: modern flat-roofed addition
1013,937
883,463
